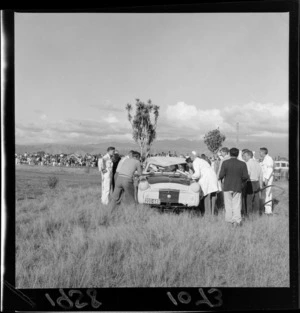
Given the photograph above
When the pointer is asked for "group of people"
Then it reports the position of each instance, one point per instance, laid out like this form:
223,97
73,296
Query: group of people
119,177
236,181
47,159
239,181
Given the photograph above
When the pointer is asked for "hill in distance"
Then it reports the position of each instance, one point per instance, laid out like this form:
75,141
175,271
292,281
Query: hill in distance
181,146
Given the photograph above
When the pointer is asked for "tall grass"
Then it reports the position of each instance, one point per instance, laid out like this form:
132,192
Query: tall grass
68,239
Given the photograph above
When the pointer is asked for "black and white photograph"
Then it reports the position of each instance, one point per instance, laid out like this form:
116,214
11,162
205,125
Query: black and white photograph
152,151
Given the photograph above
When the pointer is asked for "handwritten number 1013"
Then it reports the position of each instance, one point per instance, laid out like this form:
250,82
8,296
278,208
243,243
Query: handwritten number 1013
66,303
185,298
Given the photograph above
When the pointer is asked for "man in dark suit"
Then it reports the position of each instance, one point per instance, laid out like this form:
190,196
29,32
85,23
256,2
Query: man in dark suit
235,176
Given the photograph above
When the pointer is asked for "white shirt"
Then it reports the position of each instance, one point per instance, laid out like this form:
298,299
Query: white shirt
105,163
207,177
254,170
267,167
240,156
199,165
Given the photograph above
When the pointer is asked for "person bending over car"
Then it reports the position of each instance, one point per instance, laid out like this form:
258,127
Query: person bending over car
124,183
208,182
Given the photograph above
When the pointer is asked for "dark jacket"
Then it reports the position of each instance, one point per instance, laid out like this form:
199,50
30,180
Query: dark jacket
235,174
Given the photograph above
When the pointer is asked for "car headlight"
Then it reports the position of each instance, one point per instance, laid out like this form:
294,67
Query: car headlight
195,187
144,185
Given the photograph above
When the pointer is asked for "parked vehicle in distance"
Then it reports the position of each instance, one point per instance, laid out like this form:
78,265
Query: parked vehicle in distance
165,184
281,170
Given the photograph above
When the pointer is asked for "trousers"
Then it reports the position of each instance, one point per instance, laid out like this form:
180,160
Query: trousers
105,187
210,202
123,185
244,200
233,206
267,195
252,197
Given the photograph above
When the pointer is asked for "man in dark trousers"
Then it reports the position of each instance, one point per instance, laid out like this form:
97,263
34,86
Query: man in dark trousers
254,184
235,176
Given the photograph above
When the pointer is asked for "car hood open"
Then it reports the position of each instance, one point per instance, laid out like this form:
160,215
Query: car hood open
158,179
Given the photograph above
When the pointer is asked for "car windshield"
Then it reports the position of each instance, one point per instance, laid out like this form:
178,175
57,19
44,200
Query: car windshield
176,168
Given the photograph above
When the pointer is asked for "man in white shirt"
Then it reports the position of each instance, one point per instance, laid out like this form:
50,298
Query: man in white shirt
207,180
267,166
105,166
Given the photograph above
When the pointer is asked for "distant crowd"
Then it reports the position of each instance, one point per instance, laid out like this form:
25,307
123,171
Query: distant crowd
73,159
62,159
90,160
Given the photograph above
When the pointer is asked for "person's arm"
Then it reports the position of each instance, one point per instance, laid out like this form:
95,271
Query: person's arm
219,169
270,168
109,164
222,171
103,165
261,177
120,164
245,175
139,168
100,164
248,164
197,173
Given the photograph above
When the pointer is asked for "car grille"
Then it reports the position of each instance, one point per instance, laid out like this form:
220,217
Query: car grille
169,196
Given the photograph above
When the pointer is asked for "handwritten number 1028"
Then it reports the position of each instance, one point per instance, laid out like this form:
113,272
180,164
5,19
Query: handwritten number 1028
66,303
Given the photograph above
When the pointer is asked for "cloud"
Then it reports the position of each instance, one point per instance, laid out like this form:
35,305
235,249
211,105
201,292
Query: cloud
111,119
200,121
255,119
269,135
126,136
182,112
256,122
73,131
107,106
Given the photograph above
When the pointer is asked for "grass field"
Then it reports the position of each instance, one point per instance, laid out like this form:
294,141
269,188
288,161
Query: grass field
66,238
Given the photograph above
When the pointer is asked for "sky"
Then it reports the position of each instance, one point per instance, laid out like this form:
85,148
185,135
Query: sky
75,73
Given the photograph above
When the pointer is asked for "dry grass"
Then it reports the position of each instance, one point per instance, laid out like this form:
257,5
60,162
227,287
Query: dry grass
65,238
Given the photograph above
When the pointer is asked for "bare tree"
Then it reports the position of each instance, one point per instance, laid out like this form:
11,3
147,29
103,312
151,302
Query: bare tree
143,123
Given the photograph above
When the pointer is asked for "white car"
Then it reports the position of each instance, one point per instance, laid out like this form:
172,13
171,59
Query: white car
165,184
